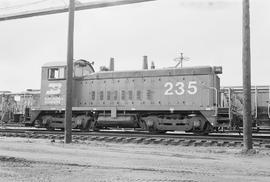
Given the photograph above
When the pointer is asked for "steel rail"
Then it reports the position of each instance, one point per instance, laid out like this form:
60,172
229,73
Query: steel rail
225,137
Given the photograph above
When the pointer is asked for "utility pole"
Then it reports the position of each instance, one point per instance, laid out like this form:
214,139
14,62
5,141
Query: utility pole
68,112
247,122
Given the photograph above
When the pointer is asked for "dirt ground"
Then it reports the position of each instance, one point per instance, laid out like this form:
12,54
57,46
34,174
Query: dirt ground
24,159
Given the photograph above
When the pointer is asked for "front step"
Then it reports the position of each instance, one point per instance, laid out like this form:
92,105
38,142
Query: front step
223,115
223,110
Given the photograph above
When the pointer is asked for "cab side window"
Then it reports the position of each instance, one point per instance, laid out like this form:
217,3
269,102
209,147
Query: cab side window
56,73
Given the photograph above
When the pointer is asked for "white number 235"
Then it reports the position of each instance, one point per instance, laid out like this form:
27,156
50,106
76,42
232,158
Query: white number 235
179,88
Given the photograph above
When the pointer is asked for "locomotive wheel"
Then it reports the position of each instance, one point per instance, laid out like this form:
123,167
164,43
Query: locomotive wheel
86,127
47,120
207,128
50,128
150,125
92,125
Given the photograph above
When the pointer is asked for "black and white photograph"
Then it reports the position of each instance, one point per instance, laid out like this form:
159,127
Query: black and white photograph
134,90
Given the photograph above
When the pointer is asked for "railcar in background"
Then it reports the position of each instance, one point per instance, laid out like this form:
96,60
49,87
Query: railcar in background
2,100
232,97
160,100
16,106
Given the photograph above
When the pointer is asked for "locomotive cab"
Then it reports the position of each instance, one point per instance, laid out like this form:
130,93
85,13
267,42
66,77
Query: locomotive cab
53,82
53,85
53,91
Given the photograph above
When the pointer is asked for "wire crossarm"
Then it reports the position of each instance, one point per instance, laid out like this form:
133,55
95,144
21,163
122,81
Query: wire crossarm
62,9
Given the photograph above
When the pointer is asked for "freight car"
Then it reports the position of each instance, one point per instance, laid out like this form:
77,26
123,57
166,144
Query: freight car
2,101
232,97
157,100
15,107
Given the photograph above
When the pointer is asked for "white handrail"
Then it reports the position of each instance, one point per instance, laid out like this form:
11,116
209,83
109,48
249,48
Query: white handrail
268,109
216,109
230,102
256,102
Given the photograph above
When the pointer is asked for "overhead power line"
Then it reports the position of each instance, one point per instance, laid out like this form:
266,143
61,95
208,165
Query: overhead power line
17,6
63,9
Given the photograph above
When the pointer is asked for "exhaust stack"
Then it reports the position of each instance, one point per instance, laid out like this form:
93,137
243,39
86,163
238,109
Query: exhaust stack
153,65
111,64
145,63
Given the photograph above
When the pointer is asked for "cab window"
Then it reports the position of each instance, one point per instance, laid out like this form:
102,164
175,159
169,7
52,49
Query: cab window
56,73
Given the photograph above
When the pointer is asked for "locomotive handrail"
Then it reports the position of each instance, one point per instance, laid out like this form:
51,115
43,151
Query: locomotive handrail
256,102
216,107
268,110
230,102
268,105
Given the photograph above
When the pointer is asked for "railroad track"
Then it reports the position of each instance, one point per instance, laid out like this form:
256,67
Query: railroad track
184,139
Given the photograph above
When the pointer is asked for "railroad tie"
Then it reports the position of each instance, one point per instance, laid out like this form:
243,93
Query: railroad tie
138,140
109,139
177,141
127,140
92,138
119,139
148,141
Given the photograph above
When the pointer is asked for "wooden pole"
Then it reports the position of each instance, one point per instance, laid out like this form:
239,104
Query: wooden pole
68,113
247,121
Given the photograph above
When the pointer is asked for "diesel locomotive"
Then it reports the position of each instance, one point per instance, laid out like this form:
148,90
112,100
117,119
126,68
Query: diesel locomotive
156,100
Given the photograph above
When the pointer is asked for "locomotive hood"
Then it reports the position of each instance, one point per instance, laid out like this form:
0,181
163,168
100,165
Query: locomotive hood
202,70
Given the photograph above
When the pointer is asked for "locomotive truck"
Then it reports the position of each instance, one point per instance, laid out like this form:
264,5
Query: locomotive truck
157,100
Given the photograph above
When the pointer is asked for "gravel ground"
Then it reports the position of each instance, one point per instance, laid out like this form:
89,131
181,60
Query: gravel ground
44,160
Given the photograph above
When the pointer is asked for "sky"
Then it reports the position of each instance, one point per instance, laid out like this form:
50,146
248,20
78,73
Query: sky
209,32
